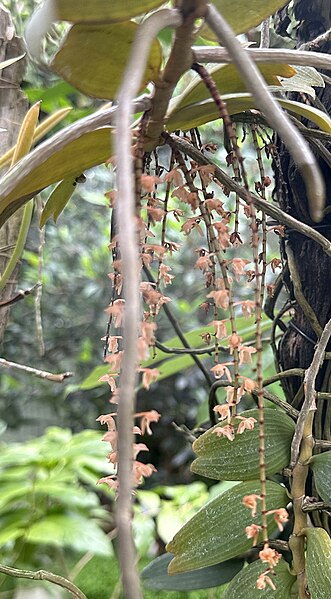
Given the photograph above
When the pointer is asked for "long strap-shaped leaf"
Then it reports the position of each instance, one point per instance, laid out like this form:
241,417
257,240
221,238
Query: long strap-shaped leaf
278,120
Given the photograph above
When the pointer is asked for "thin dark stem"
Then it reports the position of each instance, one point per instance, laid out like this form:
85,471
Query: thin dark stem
44,575
176,327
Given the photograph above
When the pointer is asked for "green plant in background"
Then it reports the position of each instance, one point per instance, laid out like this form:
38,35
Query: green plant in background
245,447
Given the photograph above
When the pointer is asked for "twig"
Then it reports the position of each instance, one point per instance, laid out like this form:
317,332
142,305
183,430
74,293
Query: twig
283,375
189,350
127,237
44,575
309,403
297,146
266,207
322,444
318,41
211,54
279,402
41,374
18,296
37,303
265,34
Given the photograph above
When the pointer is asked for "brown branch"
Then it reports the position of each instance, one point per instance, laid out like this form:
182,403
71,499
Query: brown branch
309,404
178,63
210,54
266,207
44,575
128,243
41,374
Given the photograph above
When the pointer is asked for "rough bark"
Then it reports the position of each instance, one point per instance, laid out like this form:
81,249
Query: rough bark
313,266
13,107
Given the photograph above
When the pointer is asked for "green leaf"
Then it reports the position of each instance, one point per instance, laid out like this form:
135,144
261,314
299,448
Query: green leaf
93,58
58,200
102,10
87,150
243,586
321,467
228,80
78,533
242,16
221,459
203,112
318,563
155,576
217,532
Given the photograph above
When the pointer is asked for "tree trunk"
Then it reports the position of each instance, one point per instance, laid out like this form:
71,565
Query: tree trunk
313,266
13,107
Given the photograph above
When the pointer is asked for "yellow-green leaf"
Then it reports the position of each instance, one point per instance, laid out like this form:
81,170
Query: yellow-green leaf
228,80
243,586
204,112
93,58
318,563
76,156
221,459
243,15
217,531
58,199
102,10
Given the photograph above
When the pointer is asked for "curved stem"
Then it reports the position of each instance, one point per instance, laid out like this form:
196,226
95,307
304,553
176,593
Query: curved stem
127,236
297,146
44,575
19,247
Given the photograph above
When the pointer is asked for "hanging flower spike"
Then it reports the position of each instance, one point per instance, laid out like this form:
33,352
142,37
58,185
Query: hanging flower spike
269,556
252,532
146,419
245,424
149,376
263,580
250,501
245,354
225,431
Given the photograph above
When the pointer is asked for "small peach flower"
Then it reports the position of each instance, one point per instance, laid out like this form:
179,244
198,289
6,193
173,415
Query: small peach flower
223,411
245,424
111,481
225,431
230,395
147,330
263,580
109,378
146,418
269,556
140,470
252,532
247,307
149,376
238,265
220,370
248,385
245,354
280,517
220,328
116,311
220,297
234,342
164,274
250,501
